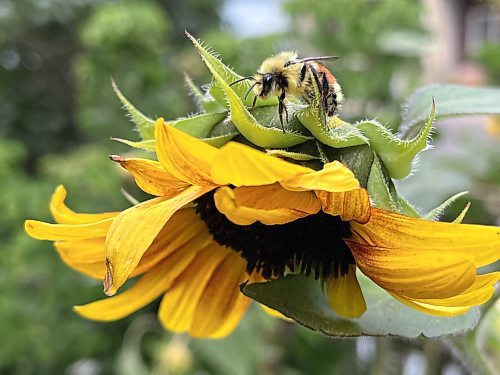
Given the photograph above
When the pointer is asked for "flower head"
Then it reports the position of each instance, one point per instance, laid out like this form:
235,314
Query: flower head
222,217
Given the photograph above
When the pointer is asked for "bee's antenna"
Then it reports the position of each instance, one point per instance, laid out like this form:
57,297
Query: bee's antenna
250,89
241,79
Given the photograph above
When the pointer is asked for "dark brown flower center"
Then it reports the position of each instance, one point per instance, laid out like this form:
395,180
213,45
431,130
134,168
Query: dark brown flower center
312,244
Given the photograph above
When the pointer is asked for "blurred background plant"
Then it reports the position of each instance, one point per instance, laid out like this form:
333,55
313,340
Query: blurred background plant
58,110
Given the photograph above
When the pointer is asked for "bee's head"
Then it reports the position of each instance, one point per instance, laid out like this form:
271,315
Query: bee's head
265,84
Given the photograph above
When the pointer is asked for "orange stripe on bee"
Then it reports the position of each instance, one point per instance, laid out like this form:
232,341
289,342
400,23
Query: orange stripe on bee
329,76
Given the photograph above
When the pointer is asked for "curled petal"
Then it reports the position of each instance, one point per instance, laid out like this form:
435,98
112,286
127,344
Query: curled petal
478,293
183,156
63,215
269,204
151,177
134,230
147,289
413,272
66,232
334,178
240,165
349,205
478,243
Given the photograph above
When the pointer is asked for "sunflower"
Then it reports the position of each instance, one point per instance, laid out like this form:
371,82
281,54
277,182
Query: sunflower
222,217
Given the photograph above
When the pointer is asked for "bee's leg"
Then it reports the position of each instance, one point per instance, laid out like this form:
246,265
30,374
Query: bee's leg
281,108
254,101
321,89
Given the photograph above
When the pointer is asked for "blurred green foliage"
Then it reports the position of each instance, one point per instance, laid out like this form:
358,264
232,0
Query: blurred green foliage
57,112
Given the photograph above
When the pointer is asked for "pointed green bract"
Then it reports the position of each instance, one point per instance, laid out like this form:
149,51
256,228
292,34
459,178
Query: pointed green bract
452,100
148,145
336,133
291,155
301,299
198,126
195,92
396,154
145,125
438,211
228,75
247,124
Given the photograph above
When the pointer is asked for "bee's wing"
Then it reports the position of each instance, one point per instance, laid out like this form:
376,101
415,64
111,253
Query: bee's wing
314,58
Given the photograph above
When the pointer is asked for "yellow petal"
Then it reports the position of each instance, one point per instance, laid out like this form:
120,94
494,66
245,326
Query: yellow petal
63,215
220,296
66,232
349,205
183,156
334,178
178,307
133,231
269,204
151,177
345,296
414,272
147,289
90,250
478,293
241,165
480,244
275,313
184,230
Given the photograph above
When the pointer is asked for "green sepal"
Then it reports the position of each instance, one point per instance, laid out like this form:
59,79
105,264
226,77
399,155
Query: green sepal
148,145
298,156
302,299
397,154
452,100
248,126
383,193
198,126
336,133
144,125
228,75
461,215
203,101
222,133
435,213
358,159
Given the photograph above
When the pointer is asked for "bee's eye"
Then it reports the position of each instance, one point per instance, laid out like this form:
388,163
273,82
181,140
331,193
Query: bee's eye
267,78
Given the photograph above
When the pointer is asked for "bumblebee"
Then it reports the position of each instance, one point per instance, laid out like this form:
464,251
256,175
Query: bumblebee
285,73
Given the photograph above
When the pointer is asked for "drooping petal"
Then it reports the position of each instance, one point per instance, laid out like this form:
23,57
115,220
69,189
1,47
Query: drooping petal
334,178
478,293
151,177
178,307
349,205
149,287
85,256
345,295
240,165
478,243
219,298
133,231
64,215
66,232
269,204
183,156
414,272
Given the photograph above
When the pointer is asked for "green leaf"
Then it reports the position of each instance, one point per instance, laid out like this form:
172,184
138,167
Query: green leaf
438,211
378,188
145,125
248,126
198,126
452,100
302,299
222,133
195,92
397,154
